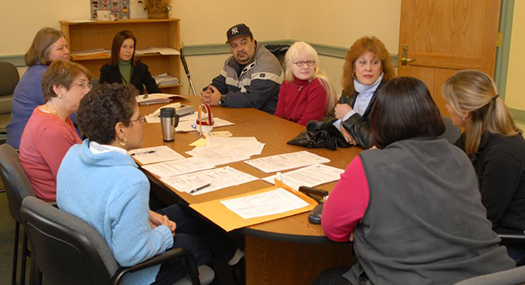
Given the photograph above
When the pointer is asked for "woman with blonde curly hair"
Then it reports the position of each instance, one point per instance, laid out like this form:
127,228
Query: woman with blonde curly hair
495,146
367,66
306,93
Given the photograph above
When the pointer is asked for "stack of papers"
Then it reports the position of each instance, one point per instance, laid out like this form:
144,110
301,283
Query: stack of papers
91,53
310,176
224,150
155,50
165,79
286,161
154,154
208,180
186,122
178,167
156,98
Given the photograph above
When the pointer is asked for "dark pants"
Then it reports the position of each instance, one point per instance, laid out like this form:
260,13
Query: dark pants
202,239
333,276
518,254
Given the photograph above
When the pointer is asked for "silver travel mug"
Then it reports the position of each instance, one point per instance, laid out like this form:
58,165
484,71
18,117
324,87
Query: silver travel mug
168,121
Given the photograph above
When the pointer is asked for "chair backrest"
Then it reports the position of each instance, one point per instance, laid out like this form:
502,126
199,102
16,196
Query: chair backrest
513,276
8,80
66,249
16,183
279,51
94,82
452,133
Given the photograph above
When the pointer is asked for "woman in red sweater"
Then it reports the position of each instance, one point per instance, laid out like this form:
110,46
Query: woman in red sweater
307,93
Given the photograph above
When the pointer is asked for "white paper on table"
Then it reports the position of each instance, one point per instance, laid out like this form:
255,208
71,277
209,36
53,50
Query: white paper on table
309,176
220,134
248,145
155,154
178,167
218,178
264,204
286,161
187,125
218,156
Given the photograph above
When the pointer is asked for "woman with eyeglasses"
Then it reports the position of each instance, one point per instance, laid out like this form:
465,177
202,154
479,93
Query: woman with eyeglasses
123,68
48,45
50,133
367,67
495,146
306,93
100,183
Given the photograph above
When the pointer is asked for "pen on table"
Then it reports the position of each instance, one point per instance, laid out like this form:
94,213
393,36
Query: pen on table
146,152
199,188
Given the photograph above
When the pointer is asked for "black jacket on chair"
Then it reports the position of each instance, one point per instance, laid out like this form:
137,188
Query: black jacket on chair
140,76
357,125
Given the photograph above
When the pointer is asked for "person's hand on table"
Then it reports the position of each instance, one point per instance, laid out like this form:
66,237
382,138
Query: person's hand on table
341,110
211,96
348,137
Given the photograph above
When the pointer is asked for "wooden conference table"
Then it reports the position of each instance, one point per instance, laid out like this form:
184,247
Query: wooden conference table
284,251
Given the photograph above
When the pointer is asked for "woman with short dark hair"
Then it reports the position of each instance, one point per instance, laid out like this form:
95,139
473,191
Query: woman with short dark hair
123,68
100,183
411,206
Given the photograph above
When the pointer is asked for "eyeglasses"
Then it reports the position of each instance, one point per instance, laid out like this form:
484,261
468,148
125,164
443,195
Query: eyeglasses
140,119
84,85
301,63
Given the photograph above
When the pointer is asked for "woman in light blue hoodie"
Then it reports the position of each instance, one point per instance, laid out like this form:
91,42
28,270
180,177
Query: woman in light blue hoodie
99,182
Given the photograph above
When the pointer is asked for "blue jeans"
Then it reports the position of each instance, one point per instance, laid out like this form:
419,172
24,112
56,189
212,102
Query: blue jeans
200,238
518,254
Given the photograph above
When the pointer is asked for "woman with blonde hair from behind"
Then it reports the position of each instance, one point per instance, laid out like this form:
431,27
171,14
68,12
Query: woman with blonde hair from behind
495,146
307,93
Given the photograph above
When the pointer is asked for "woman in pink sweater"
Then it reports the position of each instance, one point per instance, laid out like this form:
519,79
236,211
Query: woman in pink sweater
307,93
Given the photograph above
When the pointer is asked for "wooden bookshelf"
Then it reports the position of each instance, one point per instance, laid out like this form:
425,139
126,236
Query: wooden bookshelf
149,33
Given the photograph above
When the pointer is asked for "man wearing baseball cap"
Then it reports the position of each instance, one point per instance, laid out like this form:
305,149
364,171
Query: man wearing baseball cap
250,78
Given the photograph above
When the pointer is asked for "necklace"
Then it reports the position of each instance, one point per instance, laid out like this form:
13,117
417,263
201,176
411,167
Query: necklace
48,109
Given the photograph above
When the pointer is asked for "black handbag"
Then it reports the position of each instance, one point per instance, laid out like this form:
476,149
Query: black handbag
320,135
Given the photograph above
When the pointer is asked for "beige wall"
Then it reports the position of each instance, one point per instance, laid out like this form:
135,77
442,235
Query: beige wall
514,94
341,22
331,22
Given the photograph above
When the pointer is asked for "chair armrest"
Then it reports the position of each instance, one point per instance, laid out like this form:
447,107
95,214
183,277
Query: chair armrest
169,255
512,239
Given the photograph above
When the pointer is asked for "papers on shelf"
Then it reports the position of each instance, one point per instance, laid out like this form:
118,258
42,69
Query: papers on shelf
156,98
178,167
154,50
165,80
264,204
310,176
223,150
154,154
286,161
217,178
92,52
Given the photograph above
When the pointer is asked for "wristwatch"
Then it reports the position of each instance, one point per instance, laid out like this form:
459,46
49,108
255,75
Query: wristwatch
222,100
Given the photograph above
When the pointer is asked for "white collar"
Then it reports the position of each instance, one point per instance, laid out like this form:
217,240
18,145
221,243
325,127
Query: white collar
97,148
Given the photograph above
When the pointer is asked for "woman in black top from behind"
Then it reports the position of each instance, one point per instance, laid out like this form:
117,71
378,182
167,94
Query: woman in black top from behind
495,146
123,68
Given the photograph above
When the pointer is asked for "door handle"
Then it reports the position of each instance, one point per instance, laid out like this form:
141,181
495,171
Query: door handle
405,61
404,55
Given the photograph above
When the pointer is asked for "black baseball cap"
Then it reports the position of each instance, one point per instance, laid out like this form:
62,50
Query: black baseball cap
238,30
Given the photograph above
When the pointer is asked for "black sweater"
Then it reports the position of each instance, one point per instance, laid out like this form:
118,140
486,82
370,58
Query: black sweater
500,167
140,76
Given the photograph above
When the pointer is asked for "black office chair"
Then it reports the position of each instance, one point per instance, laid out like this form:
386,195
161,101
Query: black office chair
67,250
17,187
279,51
515,276
8,80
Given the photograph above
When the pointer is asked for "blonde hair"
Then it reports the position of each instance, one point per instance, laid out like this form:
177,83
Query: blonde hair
360,47
292,55
474,93
40,48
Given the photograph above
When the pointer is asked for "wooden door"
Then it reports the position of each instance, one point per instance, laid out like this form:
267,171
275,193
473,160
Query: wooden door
441,37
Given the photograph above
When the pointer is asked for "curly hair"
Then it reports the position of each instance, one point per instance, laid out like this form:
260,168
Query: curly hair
361,46
104,107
